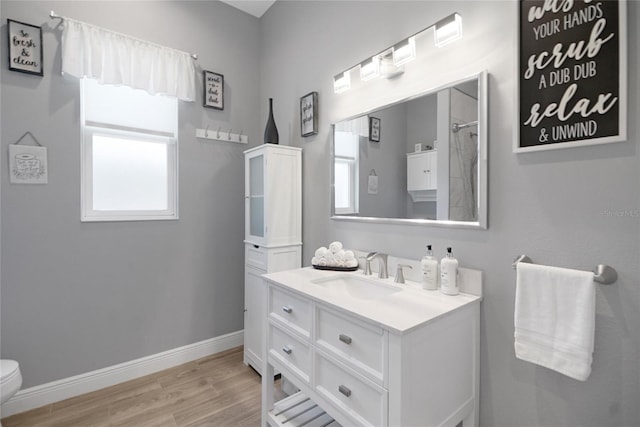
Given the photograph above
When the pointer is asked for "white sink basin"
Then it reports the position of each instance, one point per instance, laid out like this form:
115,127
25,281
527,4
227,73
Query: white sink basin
356,286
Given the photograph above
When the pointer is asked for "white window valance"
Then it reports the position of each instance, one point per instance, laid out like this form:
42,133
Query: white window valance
359,126
118,59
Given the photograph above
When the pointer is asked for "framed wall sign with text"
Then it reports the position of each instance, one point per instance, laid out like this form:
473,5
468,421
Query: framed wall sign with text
374,129
572,74
213,90
25,47
309,114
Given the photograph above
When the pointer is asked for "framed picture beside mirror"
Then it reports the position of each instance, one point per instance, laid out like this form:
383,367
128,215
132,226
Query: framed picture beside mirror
309,114
374,129
572,75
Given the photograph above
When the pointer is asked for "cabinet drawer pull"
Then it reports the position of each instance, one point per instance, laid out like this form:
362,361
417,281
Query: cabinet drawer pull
287,309
287,349
344,390
345,338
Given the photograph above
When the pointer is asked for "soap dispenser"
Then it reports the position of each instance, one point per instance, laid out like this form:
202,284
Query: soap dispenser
429,266
449,274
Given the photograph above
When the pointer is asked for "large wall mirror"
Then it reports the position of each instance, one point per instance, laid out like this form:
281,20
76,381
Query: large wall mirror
422,160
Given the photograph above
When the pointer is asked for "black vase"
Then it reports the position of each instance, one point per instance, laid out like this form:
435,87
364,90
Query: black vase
271,131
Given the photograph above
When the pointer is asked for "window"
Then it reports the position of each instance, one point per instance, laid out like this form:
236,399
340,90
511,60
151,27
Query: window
345,172
129,154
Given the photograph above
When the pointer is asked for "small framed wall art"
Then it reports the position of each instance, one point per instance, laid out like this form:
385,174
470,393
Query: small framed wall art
213,90
374,129
309,114
28,163
25,47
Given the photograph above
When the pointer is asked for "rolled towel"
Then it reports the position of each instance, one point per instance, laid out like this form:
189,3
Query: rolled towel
349,255
351,263
339,256
340,264
330,258
321,251
314,261
322,262
335,247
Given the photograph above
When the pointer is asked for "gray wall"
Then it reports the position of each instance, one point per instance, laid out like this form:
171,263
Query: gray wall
387,158
572,208
82,296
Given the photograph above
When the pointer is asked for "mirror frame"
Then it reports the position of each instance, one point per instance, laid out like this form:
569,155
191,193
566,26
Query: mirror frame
483,113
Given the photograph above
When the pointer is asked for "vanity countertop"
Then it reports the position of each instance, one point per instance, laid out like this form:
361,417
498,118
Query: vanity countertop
407,307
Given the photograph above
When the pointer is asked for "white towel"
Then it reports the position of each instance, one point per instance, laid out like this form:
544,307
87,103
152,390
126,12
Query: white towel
331,259
351,263
555,318
321,251
335,247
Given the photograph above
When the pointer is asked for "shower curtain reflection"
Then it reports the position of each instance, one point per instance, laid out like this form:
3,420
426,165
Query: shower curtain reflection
463,152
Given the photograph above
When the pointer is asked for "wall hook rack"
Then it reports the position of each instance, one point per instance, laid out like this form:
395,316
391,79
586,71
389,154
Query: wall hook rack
221,135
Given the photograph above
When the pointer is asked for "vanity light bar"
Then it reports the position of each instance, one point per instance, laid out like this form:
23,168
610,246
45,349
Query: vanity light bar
404,51
445,31
342,82
448,30
370,68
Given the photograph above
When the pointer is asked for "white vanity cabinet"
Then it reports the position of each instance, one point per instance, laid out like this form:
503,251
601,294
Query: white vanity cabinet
273,232
422,175
355,368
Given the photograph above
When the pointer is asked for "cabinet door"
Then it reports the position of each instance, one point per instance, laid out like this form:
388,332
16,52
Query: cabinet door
416,172
421,172
255,315
432,171
282,204
254,196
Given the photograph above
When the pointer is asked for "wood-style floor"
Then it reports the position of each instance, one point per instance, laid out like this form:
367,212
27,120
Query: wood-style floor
218,390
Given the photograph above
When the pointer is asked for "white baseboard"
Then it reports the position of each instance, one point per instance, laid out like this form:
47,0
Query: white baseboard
65,388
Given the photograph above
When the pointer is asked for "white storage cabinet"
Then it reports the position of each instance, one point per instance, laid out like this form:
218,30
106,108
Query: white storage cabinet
273,232
422,175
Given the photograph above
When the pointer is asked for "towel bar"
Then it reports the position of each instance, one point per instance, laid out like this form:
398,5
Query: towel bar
603,273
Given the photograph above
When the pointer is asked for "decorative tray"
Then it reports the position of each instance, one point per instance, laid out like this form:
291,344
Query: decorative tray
327,267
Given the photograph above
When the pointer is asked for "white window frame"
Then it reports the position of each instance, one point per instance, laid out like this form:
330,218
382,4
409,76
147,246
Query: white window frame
353,166
91,128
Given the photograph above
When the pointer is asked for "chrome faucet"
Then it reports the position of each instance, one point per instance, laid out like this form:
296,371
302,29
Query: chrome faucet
367,263
382,264
399,275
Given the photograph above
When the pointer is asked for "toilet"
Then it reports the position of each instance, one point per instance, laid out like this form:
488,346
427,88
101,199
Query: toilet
10,379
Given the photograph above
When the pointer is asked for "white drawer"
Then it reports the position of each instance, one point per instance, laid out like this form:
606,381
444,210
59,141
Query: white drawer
255,256
290,351
361,345
291,309
362,401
